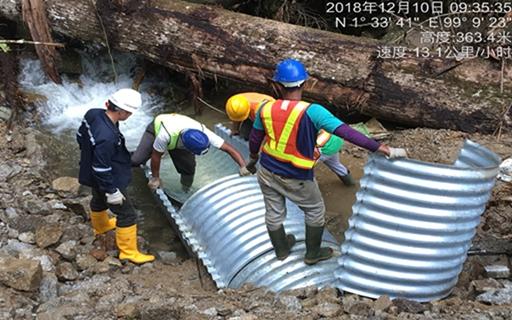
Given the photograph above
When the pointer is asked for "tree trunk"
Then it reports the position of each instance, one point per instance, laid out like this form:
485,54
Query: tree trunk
345,71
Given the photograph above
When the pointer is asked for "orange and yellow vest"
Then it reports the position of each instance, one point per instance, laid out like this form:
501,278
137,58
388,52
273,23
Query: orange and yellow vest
255,101
281,121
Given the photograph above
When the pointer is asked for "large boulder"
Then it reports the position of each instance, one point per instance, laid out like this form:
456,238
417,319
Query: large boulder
20,274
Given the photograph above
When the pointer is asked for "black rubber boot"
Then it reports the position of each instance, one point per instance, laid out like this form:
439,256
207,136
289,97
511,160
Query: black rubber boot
281,242
347,180
314,253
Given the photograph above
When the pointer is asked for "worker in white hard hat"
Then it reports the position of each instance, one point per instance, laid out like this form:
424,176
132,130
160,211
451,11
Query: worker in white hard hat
105,166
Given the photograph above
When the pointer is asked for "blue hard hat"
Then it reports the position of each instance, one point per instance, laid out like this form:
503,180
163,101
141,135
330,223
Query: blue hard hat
195,141
290,73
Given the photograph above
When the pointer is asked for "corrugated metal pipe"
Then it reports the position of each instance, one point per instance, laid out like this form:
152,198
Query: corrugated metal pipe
409,234
412,224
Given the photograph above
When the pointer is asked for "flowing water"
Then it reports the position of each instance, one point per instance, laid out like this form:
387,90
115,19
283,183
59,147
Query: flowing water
65,105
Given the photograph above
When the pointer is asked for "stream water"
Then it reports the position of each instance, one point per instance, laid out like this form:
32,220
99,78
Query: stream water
63,107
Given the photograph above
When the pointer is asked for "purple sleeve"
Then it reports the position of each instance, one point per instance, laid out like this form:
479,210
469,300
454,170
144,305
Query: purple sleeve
351,135
255,140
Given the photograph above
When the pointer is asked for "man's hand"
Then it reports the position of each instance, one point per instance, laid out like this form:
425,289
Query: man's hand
251,166
154,183
397,153
115,198
244,172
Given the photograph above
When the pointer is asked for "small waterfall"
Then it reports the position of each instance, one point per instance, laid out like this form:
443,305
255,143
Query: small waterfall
66,104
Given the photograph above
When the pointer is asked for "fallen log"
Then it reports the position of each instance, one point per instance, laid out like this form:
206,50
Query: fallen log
345,71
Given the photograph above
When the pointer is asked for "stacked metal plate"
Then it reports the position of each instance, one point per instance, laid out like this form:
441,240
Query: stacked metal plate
412,224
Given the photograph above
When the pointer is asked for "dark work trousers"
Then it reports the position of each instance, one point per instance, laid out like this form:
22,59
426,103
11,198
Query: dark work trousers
183,160
126,215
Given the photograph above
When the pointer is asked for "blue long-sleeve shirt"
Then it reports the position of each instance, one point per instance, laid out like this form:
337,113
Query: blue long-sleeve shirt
104,159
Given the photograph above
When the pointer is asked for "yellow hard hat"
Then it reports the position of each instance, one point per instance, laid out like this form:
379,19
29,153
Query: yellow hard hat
238,108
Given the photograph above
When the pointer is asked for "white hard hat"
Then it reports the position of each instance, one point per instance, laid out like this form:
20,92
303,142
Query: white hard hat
126,99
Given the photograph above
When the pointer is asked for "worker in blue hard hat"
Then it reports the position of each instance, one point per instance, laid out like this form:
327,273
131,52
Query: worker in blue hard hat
286,131
184,138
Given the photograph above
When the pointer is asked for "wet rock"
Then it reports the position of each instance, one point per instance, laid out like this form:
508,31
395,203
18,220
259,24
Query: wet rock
328,295
111,261
472,269
8,171
127,311
354,304
80,206
327,309
72,233
67,250
20,274
497,271
11,214
498,296
210,312
485,285
47,235
290,302
409,306
66,272
5,113
48,287
309,302
382,303
35,206
27,237
22,224
85,261
167,257
31,145
100,267
12,233
66,185
98,254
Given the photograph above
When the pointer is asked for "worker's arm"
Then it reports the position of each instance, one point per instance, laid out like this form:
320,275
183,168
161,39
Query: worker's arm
235,155
156,158
102,165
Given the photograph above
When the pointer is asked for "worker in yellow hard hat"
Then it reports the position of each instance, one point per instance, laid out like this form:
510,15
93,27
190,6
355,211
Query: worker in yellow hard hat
241,109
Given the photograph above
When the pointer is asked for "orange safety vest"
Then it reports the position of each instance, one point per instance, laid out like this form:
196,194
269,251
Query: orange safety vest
256,100
281,122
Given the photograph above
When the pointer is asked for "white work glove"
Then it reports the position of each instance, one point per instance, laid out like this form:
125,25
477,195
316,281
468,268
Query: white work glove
244,172
154,183
397,153
115,198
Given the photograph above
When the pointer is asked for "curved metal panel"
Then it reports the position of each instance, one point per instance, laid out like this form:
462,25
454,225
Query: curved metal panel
412,224
224,223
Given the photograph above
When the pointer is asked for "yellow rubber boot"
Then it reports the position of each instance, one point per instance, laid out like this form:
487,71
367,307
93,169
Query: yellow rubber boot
101,223
126,239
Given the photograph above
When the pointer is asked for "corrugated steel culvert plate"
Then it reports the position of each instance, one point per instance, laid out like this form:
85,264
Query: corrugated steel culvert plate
412,224
224,223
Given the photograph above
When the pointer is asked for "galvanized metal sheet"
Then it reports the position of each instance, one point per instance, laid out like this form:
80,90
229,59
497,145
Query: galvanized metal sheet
412,224
224,223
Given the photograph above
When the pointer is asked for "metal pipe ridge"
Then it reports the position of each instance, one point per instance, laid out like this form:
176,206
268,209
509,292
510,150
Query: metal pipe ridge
413,223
